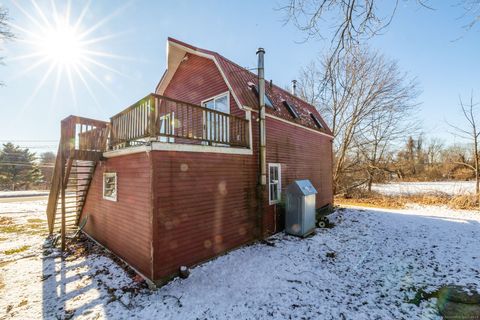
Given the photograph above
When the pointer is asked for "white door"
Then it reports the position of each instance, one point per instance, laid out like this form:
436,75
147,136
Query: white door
217,126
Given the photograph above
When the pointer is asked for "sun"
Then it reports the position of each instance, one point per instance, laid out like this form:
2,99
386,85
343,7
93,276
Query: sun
59,41
62,45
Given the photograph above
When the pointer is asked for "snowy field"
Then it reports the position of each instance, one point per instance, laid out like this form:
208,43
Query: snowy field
410,188
367,267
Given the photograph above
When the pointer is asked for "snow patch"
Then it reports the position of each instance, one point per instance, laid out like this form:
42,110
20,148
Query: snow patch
367,267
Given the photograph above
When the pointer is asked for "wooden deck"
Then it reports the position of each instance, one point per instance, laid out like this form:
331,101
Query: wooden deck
159,118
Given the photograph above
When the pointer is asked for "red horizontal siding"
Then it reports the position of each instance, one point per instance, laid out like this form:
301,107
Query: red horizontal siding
124,226
204,206
303,154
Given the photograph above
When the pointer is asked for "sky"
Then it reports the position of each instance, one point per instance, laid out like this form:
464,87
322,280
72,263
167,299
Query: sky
126,51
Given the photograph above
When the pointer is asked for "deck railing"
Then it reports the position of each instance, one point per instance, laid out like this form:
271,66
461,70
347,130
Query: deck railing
159,118
83,136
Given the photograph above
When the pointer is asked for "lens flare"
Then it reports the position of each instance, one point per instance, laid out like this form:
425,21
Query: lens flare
65,46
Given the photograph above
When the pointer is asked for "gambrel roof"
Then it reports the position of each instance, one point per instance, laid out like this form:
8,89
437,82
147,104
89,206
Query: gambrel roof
241,83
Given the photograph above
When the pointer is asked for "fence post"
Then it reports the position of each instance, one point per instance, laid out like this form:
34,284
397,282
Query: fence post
152,116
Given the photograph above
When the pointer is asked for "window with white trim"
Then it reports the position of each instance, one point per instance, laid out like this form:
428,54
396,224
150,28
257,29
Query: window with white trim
110,186
274,183
217,127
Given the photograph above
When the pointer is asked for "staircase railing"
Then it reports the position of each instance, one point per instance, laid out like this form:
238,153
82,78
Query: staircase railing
80,139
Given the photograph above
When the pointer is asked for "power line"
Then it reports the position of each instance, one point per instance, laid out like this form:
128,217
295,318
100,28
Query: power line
29,140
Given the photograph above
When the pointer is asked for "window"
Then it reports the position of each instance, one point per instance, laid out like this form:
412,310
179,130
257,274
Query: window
274,183
316,121
167,127
219,103
268,102
110,186
291,109
217,127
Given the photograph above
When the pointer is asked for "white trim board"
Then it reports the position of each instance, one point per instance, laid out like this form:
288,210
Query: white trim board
199,148
164,146
165,80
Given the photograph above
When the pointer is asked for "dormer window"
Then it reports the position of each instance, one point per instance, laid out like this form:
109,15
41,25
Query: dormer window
316,121
267,100
291,109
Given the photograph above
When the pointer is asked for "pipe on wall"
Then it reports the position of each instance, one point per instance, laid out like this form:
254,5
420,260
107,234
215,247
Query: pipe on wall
261,103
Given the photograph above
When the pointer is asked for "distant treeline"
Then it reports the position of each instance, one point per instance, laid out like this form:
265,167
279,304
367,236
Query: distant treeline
21,169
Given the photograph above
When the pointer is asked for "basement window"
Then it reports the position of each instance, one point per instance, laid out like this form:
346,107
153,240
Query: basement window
268,102
274,183
291,109
316,121
110,186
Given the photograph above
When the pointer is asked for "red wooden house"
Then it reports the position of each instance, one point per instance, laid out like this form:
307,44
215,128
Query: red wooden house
175,179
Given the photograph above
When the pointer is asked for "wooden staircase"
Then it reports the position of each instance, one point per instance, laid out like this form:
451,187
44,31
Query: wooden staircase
82,144
78,183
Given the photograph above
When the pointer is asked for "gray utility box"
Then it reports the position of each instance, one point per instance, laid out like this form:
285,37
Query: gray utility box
300,208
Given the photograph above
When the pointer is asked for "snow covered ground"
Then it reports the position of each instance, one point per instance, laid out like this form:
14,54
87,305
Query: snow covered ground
409,188
366,267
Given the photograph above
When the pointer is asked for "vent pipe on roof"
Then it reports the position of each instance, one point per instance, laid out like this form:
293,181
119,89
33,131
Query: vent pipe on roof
294,87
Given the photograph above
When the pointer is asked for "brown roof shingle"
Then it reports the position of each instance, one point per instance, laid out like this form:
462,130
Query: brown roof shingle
239,79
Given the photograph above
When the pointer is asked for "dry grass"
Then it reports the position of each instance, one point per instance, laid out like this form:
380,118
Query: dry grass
32,226
5,221
16,250
375,199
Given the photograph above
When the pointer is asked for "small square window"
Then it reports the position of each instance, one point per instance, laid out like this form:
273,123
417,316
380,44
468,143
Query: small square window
110,186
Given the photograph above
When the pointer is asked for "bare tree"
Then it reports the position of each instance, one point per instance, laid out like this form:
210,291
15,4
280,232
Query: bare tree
385,128
360,91
5,33
434,150
472,10
348,23
470,132
352,21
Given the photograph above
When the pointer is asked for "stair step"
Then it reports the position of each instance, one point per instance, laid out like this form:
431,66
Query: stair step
77,185
67,221
69,218
73,197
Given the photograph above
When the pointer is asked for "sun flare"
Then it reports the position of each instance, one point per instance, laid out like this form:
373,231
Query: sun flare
64,45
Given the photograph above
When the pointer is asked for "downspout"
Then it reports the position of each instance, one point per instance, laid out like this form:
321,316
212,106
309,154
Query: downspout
262,181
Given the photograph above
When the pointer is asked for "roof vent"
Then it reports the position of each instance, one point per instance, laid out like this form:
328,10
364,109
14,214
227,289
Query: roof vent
294,87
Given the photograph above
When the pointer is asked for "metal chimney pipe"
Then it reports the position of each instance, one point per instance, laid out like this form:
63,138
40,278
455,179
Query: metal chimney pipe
261,104
294,87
